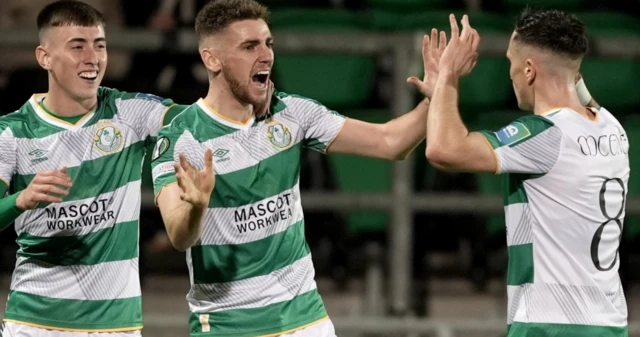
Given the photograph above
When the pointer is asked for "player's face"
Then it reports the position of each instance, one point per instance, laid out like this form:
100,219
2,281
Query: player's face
247,65
76,58
521,88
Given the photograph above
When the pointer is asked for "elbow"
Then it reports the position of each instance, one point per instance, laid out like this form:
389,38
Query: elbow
439,158
180,244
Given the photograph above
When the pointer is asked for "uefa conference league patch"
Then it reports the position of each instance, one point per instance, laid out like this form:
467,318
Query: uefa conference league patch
512,133
162,145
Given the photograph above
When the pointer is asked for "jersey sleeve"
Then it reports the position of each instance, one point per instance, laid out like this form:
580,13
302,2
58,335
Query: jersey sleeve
319,124
170,143
149,113
530,144
8,150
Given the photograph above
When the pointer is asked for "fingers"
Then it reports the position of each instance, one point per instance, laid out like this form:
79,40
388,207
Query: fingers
434,39
208,160
443,41
53,180
475,40
46,189
465,35
455,33
184,163
425,50
39,197
418,84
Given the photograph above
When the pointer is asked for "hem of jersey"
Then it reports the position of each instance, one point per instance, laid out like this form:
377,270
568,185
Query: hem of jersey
326,148
26,321
297,327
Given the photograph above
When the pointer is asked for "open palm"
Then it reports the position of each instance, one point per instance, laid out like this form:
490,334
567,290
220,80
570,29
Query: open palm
196,185
432,49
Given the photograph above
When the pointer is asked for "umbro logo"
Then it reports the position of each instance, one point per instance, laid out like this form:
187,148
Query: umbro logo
38,156
221,155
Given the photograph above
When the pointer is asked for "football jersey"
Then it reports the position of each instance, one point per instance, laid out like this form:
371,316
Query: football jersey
77,263
251,271
564,194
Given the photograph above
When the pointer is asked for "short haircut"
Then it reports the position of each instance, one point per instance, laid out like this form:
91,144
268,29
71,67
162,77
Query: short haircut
219,14
68,13
552,30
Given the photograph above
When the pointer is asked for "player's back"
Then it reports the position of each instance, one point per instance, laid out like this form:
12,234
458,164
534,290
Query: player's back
565,231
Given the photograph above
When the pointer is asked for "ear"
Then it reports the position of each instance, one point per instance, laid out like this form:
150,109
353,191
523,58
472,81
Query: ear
530,69
211,60
43,57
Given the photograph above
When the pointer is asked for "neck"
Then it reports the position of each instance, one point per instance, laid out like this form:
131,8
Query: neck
221,99
558,93
62,104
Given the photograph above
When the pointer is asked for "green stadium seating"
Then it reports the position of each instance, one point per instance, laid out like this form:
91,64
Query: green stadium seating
513,6
338,80
612,82
607,24
632,126
364,175
405,6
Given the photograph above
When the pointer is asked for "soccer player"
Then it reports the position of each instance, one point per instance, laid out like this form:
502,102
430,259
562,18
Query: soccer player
566,170
70,160
249,264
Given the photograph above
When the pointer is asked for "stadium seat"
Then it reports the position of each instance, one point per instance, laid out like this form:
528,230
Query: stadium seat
513,6
338,80
610,24
405,6
612,82
364,175
632,126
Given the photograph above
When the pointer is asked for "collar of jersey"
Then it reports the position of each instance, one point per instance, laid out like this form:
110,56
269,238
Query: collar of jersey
35,100
224,120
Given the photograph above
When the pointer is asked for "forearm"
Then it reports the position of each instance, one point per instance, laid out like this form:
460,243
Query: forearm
445,129
9,212
404,133
184,225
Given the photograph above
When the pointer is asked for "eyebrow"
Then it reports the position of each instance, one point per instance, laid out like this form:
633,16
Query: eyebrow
83,40
255,41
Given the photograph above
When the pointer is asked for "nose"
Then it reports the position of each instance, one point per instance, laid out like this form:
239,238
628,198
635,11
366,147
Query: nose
90,56
266,55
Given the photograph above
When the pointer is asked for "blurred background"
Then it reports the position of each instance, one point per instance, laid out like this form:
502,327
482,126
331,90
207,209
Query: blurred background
399,248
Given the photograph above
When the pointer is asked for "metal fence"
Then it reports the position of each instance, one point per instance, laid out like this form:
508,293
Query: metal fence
401,202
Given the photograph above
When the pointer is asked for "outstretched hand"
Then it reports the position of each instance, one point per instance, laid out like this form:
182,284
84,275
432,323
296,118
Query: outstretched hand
196,185
432,50
461,54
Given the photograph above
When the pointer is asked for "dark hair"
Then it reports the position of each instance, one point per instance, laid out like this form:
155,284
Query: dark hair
552,30
218,14
68,13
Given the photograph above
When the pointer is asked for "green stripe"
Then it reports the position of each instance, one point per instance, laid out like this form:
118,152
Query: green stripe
101,175
263,180
272,319
225,263
514,192
116,243
491,138
517,329
520,269
74,314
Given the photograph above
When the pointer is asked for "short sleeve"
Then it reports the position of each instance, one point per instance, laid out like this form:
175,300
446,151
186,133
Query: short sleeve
320,125
147,112
7,154
530,144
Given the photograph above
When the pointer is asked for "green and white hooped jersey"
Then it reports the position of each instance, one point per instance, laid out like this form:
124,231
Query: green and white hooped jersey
77,265
251,271
564,195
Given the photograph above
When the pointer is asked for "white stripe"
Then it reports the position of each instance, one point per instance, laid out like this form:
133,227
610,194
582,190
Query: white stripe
256,292
37,98
83,216
70,148
519,223
104,281
7,155
223,121
253,222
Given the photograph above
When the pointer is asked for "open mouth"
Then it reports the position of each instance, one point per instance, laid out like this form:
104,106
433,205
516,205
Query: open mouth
89,75
261,77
